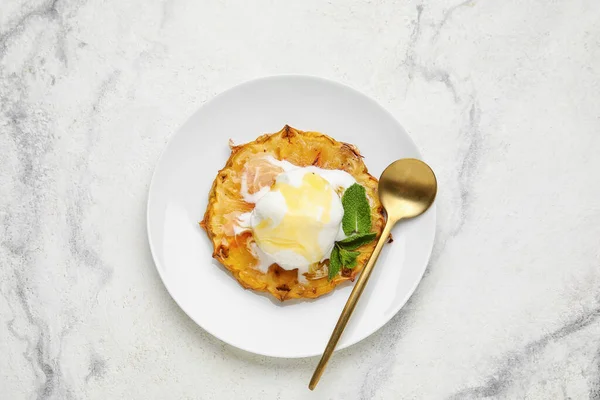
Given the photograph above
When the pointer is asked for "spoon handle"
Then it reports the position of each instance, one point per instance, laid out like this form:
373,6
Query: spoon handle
350,305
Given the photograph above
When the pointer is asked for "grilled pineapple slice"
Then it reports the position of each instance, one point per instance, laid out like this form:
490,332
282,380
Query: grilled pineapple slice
226,204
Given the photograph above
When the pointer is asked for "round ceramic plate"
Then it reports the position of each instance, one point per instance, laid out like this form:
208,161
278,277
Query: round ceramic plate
179,193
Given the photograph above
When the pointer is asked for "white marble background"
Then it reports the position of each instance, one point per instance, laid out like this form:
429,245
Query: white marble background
503,98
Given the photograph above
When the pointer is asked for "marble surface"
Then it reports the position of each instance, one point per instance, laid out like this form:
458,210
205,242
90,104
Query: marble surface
502,97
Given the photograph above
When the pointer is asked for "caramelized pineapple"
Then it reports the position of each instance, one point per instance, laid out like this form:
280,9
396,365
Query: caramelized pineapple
226,204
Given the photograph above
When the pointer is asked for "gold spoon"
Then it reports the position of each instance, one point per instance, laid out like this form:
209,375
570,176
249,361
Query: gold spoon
407,189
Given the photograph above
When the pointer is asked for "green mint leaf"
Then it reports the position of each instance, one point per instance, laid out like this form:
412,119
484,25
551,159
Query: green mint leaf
357,212
348,258
355,241
335,263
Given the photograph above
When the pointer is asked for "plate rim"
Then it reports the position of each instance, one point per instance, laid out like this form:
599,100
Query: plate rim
369,332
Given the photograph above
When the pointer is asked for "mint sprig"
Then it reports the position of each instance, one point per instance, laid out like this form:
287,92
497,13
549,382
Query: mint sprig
341,257
356,223
357,212
355,241
335,264
348,257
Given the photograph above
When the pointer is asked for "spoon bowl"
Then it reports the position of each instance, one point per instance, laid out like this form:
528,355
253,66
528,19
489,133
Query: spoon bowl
407,189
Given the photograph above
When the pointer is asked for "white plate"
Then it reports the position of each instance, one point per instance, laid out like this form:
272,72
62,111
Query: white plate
178,197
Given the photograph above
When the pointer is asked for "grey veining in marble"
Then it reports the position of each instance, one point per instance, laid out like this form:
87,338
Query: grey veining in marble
502,97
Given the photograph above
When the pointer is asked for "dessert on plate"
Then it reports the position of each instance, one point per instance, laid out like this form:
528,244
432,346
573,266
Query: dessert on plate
294,214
